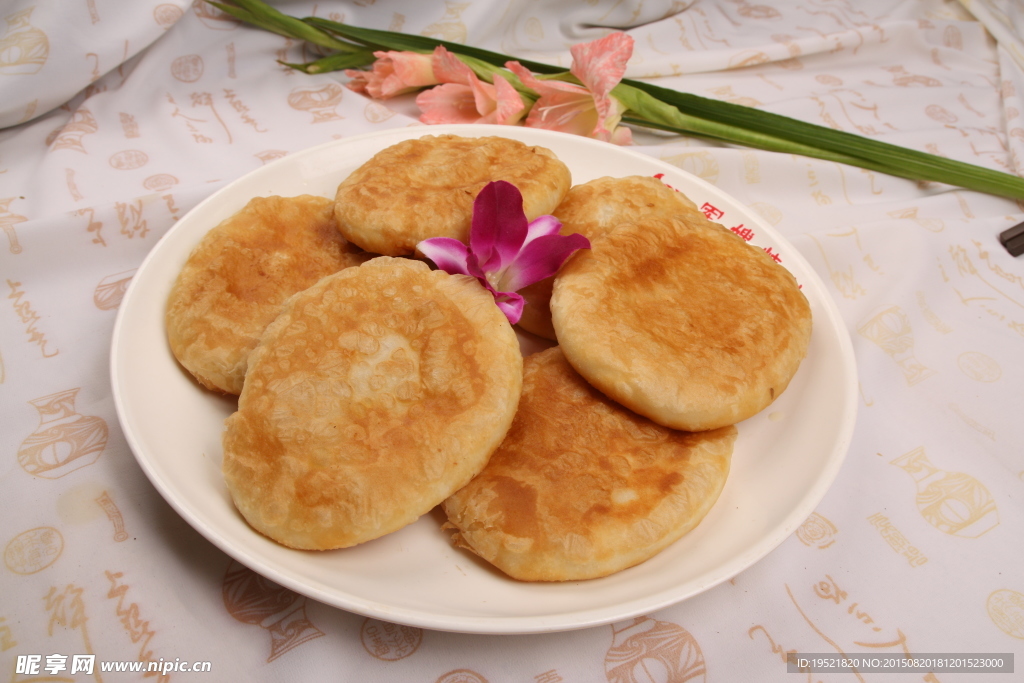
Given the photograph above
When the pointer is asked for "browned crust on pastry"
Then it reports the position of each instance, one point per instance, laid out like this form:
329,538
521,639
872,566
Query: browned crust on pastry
592,209
424,188
681,321
375,394
238,276
581,487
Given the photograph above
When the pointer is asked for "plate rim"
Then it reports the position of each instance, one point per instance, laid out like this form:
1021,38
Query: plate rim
505,625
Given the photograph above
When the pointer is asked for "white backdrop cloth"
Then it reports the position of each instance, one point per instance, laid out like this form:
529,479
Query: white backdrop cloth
119,116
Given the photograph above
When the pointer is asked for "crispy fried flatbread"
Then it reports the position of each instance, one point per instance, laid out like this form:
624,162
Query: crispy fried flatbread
375,394
592,209
235,281
425,188
682,321
582,487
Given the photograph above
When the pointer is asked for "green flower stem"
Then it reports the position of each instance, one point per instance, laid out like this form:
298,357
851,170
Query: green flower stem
486,71
269,19
747,127
318,31
391,40
485,64
644,110
335,62
649,105
861,151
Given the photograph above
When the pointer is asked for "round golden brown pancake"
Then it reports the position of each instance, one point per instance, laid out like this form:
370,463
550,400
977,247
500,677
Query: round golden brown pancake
424,188
592,209
582,487
682,321
374,395
235,281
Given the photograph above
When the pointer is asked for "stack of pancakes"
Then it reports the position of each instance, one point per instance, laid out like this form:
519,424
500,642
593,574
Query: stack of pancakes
373,388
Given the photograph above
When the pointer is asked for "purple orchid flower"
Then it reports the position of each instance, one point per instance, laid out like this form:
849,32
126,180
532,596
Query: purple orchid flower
505,252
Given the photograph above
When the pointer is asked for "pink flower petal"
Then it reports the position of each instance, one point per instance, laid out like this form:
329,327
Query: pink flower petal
571,108
601,64
392,74
560,105
499,225
534,83
412,68
621,136
447,253
473,268
565,112
448,67
540,259
498,103
484,95
511,304
359,80
540,226
448,103
505,252
508,106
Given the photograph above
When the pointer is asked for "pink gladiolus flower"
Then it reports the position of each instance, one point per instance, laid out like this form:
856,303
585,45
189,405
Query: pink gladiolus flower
394,73
464,98
505,252
590,109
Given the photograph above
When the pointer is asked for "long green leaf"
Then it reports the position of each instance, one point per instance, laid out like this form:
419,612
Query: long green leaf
335,62
870,154
392,40
888,158
266,17
645,110
752,127
676,111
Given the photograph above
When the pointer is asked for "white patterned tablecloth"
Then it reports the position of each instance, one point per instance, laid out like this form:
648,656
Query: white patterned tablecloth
118,117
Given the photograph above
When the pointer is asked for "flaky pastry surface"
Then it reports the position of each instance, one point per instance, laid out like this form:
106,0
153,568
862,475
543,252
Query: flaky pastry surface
236,279
374,395
422,188
581,487
681,321
592,209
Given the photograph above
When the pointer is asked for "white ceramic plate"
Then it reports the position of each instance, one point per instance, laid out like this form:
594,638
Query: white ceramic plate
785,458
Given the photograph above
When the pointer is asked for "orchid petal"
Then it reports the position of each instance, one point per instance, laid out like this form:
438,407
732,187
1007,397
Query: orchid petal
447,253
499,225
540,226
473,268
511,304
505,252
540,259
